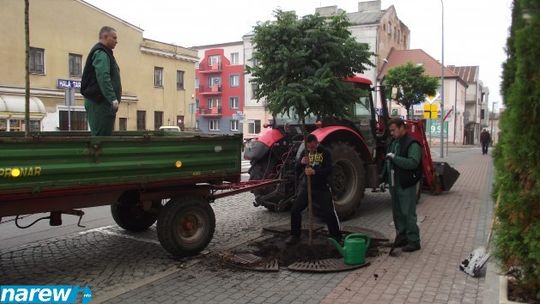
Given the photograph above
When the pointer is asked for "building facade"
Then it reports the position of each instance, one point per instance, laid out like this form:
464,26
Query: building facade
455,89
476,98
154,74
219,97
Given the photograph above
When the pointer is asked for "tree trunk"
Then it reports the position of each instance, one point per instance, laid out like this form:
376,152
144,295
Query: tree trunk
308,180
27,67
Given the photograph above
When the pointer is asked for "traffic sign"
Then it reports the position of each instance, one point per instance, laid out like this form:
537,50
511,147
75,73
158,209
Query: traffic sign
431,111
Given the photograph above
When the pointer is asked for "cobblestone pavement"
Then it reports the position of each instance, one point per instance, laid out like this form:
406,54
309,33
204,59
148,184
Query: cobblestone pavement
108,258
120,269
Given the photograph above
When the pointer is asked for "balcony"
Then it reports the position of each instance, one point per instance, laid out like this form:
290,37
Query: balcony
210,68
210,90
209,112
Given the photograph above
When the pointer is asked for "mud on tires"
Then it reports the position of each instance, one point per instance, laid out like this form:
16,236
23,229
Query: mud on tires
348,179
186,226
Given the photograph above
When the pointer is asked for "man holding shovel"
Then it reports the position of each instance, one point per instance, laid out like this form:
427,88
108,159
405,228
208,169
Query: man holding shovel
317,163
402,171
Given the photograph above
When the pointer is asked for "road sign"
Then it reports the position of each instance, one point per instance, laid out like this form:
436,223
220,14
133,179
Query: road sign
431,111
66,84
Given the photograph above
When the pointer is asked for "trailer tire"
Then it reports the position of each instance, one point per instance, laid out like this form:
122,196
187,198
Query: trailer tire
129,214
186,226
348,179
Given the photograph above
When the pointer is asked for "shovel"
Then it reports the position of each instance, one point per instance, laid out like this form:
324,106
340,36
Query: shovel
476,260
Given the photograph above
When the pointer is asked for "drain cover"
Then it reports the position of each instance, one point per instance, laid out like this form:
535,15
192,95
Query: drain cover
326,265
249,261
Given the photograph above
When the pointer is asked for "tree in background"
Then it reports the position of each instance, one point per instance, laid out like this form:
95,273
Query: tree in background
517,155
411,84
301,64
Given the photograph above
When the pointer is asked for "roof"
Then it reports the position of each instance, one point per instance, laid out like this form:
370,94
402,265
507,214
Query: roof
370,17
467,73
431,66
218,45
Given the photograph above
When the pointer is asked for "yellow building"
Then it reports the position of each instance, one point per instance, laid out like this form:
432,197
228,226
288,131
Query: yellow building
157,78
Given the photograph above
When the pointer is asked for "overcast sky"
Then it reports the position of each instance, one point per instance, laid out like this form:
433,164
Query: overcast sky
475,31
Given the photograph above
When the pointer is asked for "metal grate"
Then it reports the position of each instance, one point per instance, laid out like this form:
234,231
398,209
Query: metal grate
327,265
249,261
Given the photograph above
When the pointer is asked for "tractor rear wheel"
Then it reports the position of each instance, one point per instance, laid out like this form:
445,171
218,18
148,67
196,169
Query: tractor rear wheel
348,179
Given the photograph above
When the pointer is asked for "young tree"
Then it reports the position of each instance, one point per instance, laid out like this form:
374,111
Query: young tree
411,84
301,64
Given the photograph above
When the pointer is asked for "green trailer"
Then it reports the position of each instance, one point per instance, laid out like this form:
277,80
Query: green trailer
144,176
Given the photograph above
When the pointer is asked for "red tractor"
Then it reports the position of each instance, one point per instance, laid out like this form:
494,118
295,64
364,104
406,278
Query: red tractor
358,147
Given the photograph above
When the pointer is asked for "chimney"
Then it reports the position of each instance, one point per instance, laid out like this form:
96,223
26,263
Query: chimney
369,6
328,11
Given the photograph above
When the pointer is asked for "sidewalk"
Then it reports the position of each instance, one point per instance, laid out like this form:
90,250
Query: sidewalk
452,225
456,223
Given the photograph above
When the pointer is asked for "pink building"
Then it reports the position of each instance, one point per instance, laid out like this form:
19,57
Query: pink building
219,88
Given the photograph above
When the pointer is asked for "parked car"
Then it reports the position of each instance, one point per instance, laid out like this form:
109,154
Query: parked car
171,129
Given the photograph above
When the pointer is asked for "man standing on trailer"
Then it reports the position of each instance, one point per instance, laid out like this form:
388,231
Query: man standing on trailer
100,84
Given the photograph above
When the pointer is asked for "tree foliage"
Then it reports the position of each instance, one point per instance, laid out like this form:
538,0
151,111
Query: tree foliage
517,156
301,64
411,84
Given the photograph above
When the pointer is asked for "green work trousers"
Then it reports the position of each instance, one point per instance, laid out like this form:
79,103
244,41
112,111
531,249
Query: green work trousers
404,212
101,117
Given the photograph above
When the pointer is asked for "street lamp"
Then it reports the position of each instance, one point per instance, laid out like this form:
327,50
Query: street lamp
442,79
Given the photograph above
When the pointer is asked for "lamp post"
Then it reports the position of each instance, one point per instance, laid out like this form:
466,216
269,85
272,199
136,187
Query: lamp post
442,79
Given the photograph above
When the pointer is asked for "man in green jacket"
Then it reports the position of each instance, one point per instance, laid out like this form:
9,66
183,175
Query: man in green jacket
403,171
100,84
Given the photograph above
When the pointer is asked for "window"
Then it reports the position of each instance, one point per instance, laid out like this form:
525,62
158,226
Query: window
214,81
180,80
37,59
233,102
75,65
234,58
78,120
213,103
141,120
254,127
196,83
234,80
122,123
253,90
196,125
158,77
213,61
158,119
234,125
213,125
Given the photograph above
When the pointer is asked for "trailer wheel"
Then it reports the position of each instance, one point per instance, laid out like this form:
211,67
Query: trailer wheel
348,179
129,214
186,226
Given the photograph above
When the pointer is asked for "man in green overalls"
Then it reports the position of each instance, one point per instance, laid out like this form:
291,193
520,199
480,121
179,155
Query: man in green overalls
402,171
100,84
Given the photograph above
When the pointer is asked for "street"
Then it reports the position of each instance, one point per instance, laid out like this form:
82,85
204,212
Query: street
133,268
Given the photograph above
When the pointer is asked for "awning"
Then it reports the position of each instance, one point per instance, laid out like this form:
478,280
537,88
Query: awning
12,106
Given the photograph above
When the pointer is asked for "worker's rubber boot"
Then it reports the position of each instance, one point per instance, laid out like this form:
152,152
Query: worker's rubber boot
410,247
